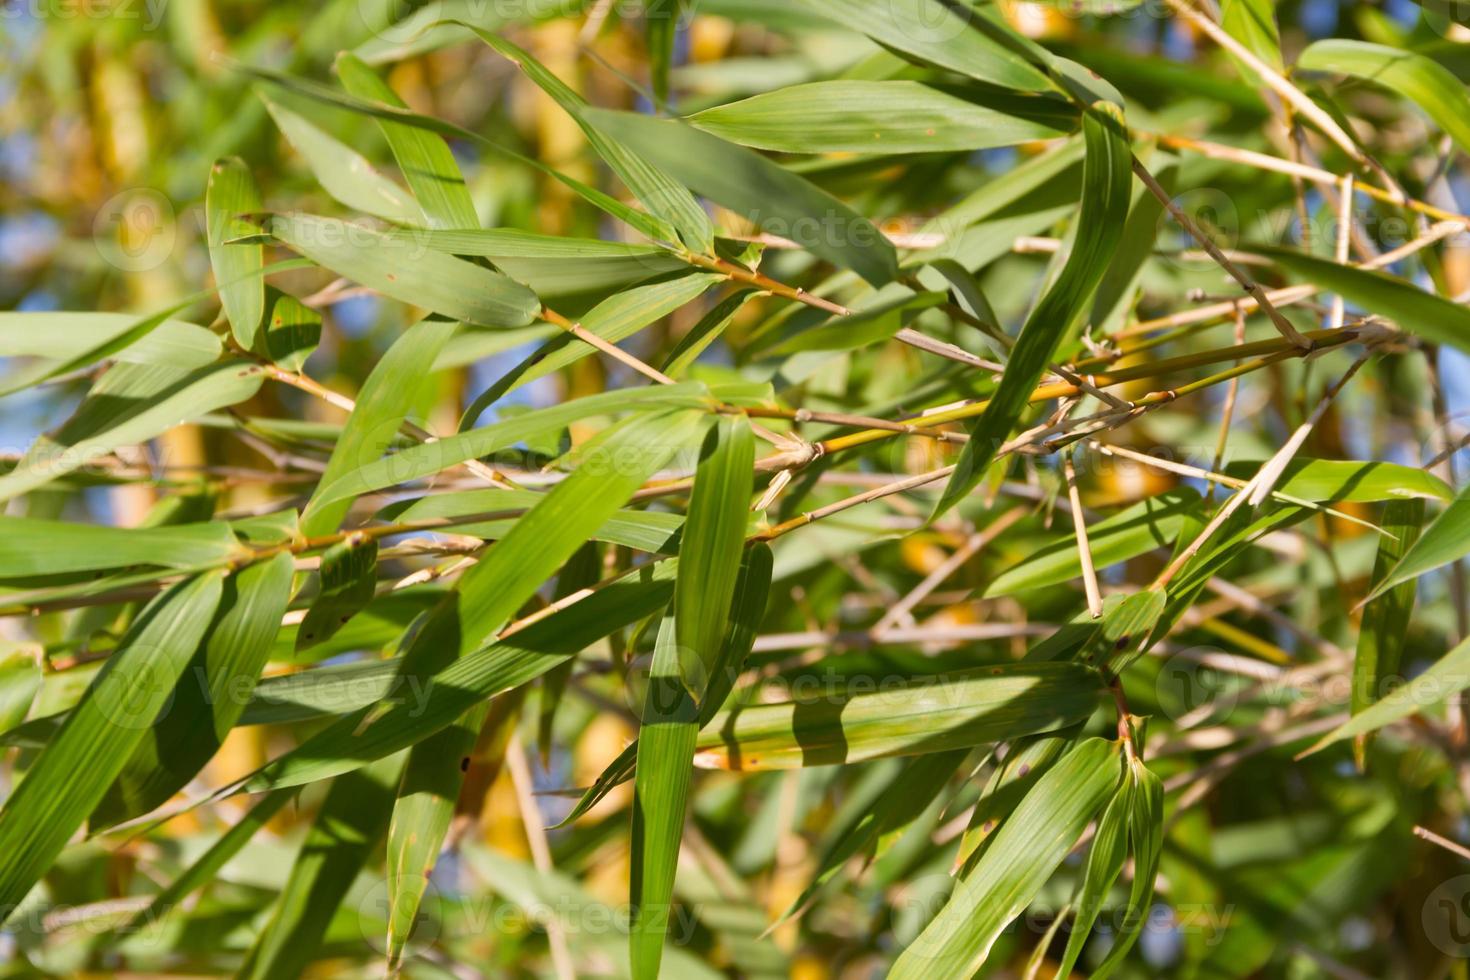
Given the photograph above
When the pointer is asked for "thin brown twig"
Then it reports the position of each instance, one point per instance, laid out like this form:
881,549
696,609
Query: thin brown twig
1248,283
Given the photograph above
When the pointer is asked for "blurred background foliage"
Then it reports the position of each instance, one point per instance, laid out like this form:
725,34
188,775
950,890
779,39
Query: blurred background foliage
109,122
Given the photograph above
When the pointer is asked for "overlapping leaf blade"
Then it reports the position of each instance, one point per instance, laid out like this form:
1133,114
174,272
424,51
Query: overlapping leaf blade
91,747
1105,198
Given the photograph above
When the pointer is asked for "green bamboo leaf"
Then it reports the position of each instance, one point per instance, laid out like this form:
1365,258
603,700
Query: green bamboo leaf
125,337
1253,24
1032,841
343,836
953,36
1385,625
1146,839
742,180
1445,540
645,176
20,679
666,735
1431,317
208,698
425,159
231,196
660,29
614,464
1426,83
129,404
878,317
292,330
427,459
343,172
31,547
432,781
705,332
1149,524
611,467
1105,196
556,266
746,612
614,319
885,117
1104,864
890,805
395,113
66,337
422,813
204,870
582,571
419,708
403,267
710,548
1449,675
390,392
1350,480
928,714
1026,760
349,576
475,512
92,745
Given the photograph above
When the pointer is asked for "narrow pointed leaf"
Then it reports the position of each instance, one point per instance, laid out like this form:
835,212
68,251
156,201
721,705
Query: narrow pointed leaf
644,175
202,871
1431,317
232,194
1449,675
885,117
390,392
1104,864
341,840
343,172
666,734
746,612
1421,80
948,35
930,714
418,710
710,548
777,200
1032,841
30,546
427,459
1445,540
73,772
1146,840
1106,180
401,266
1385,626
209,696
425,159
1136,530
130,404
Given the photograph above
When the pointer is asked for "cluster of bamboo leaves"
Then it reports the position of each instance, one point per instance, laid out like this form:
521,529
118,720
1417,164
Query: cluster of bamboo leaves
766,491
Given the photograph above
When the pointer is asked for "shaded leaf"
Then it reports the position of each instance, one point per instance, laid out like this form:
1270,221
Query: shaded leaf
711,547
742,180
1031,843
885,117
232,195
1105,196
92,745
930,714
